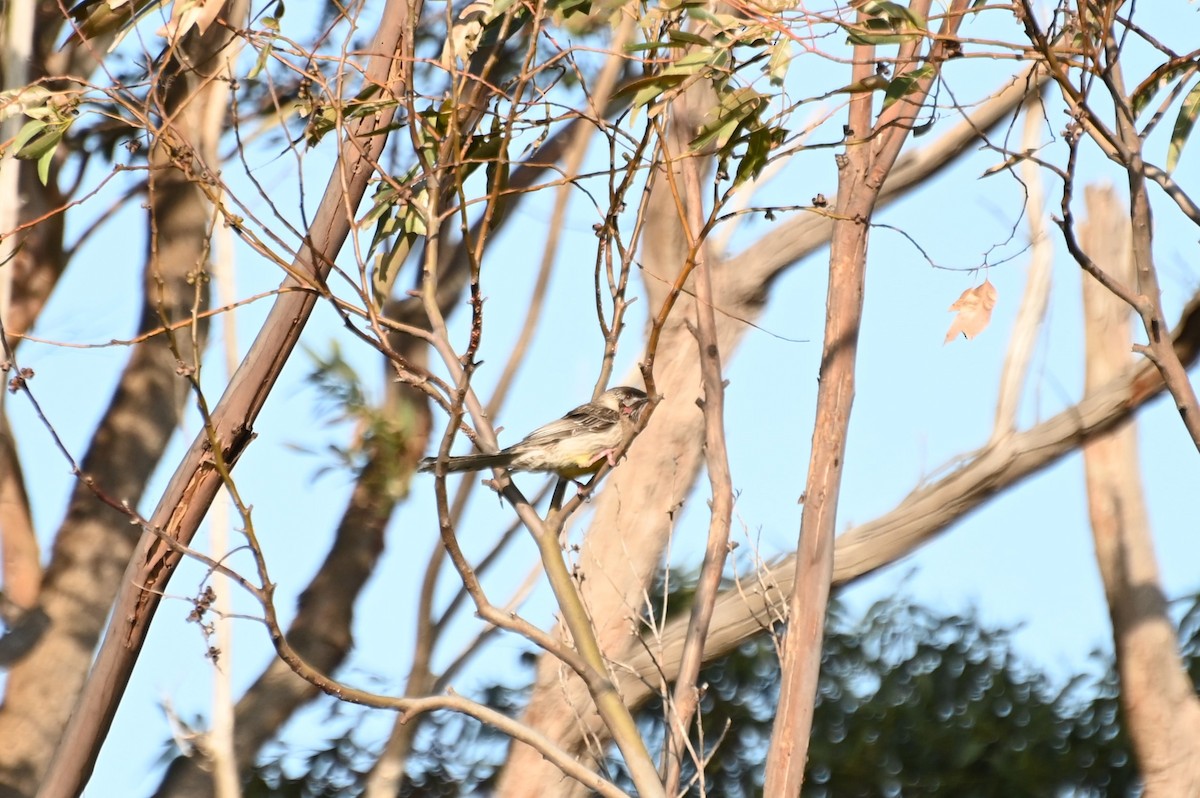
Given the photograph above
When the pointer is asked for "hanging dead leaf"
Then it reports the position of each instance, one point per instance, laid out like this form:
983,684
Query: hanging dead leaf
199,14
974,311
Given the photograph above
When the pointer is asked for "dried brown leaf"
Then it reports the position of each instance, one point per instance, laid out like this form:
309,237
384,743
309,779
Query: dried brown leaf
974,311
199,14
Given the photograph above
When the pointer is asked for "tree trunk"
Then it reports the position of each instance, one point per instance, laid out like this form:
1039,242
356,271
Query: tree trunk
634,512
1162,714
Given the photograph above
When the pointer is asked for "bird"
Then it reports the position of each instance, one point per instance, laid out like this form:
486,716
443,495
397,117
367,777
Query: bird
575,445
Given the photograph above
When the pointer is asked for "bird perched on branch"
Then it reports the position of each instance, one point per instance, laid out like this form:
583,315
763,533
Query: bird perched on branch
573,446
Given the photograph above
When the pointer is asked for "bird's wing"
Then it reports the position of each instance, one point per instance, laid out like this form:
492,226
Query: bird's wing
581,420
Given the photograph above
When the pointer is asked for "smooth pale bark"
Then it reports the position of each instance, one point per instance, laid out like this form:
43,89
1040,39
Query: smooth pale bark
93,545
1162,714
872,148
20,552
31,259
800,646
634,510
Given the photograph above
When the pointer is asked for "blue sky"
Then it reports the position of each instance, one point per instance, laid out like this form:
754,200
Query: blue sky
1023,559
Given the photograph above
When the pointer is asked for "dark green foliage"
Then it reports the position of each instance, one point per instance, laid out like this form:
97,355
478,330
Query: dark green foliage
457,755
911,703
335,771
453,755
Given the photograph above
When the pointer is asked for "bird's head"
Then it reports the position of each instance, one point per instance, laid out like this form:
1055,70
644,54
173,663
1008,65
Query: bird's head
627,401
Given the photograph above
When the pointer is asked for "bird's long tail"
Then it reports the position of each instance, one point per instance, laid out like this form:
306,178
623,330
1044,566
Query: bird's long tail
469,462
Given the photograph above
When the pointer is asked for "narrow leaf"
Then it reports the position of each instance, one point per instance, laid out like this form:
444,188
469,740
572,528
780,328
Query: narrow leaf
759,145
781,57
686,37
43,165
1161,77
1183,126
906,84
890,10
27,132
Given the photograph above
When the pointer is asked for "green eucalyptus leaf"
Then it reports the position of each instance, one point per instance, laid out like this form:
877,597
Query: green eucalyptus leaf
1183,126
759,145
780,60
903,85
735,109
30,129
1160,78
43,165
687,37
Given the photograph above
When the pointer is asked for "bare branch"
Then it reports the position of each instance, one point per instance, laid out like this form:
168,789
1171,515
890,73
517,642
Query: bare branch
1037,284
686,696
870,155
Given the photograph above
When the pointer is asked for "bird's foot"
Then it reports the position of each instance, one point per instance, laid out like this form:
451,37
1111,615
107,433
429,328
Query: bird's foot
610,454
